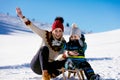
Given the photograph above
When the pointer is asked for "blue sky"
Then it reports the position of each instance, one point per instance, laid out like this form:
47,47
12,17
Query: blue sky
90,15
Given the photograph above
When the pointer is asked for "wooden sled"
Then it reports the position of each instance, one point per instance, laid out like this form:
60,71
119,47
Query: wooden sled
79,72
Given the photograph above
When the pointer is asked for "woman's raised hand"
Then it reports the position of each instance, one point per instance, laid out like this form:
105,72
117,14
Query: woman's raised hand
19,12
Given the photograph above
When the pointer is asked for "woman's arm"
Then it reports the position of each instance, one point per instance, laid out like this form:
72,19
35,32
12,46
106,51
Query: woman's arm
28,23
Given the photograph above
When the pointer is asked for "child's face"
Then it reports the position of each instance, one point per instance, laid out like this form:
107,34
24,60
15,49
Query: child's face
74,37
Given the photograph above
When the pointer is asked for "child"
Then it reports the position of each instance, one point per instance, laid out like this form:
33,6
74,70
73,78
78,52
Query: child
75,54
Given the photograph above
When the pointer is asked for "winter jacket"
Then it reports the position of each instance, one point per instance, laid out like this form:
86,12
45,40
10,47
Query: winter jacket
47,40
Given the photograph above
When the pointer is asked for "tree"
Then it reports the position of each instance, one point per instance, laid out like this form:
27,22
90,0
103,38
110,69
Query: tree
67,24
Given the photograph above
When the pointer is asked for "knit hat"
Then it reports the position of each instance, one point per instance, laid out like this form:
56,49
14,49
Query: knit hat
75,30
58,23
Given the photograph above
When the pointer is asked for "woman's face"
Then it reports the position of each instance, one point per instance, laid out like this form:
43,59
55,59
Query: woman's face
57,33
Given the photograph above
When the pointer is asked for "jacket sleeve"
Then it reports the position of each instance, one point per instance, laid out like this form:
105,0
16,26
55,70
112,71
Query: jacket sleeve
84,46
34,28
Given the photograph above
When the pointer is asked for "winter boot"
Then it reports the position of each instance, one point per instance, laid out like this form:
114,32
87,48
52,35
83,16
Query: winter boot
45,76
95,77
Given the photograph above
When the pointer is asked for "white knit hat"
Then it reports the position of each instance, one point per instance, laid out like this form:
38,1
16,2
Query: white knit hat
75,30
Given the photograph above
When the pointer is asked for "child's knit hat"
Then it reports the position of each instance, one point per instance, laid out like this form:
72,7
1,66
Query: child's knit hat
75,30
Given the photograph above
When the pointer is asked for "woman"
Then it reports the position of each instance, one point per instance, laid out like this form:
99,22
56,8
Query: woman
53,42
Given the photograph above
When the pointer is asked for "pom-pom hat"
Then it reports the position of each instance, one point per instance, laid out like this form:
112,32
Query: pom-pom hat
58,23
75,30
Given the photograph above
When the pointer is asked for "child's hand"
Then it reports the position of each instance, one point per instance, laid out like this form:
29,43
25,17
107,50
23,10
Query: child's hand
73,53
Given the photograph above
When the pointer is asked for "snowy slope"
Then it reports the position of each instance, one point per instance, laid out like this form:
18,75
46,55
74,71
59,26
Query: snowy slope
17,51
105,44
13,24
18,48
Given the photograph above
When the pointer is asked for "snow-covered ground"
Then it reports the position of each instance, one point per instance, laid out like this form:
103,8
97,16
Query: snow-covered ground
18,48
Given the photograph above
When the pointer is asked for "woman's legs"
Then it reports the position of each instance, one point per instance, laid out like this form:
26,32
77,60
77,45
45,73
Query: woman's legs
39,63
54,66
43,58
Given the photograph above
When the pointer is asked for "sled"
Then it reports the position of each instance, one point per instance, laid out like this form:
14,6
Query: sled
79,72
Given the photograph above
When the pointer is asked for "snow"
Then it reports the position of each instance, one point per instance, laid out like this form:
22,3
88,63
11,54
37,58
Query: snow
18,48
103,44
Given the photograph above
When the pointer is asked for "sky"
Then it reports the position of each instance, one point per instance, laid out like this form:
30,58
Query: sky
89,15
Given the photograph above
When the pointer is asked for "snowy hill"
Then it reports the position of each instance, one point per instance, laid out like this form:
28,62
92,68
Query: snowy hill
106,42
17,50
12,24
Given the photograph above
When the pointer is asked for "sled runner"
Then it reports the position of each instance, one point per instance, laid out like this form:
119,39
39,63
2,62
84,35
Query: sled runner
79,72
